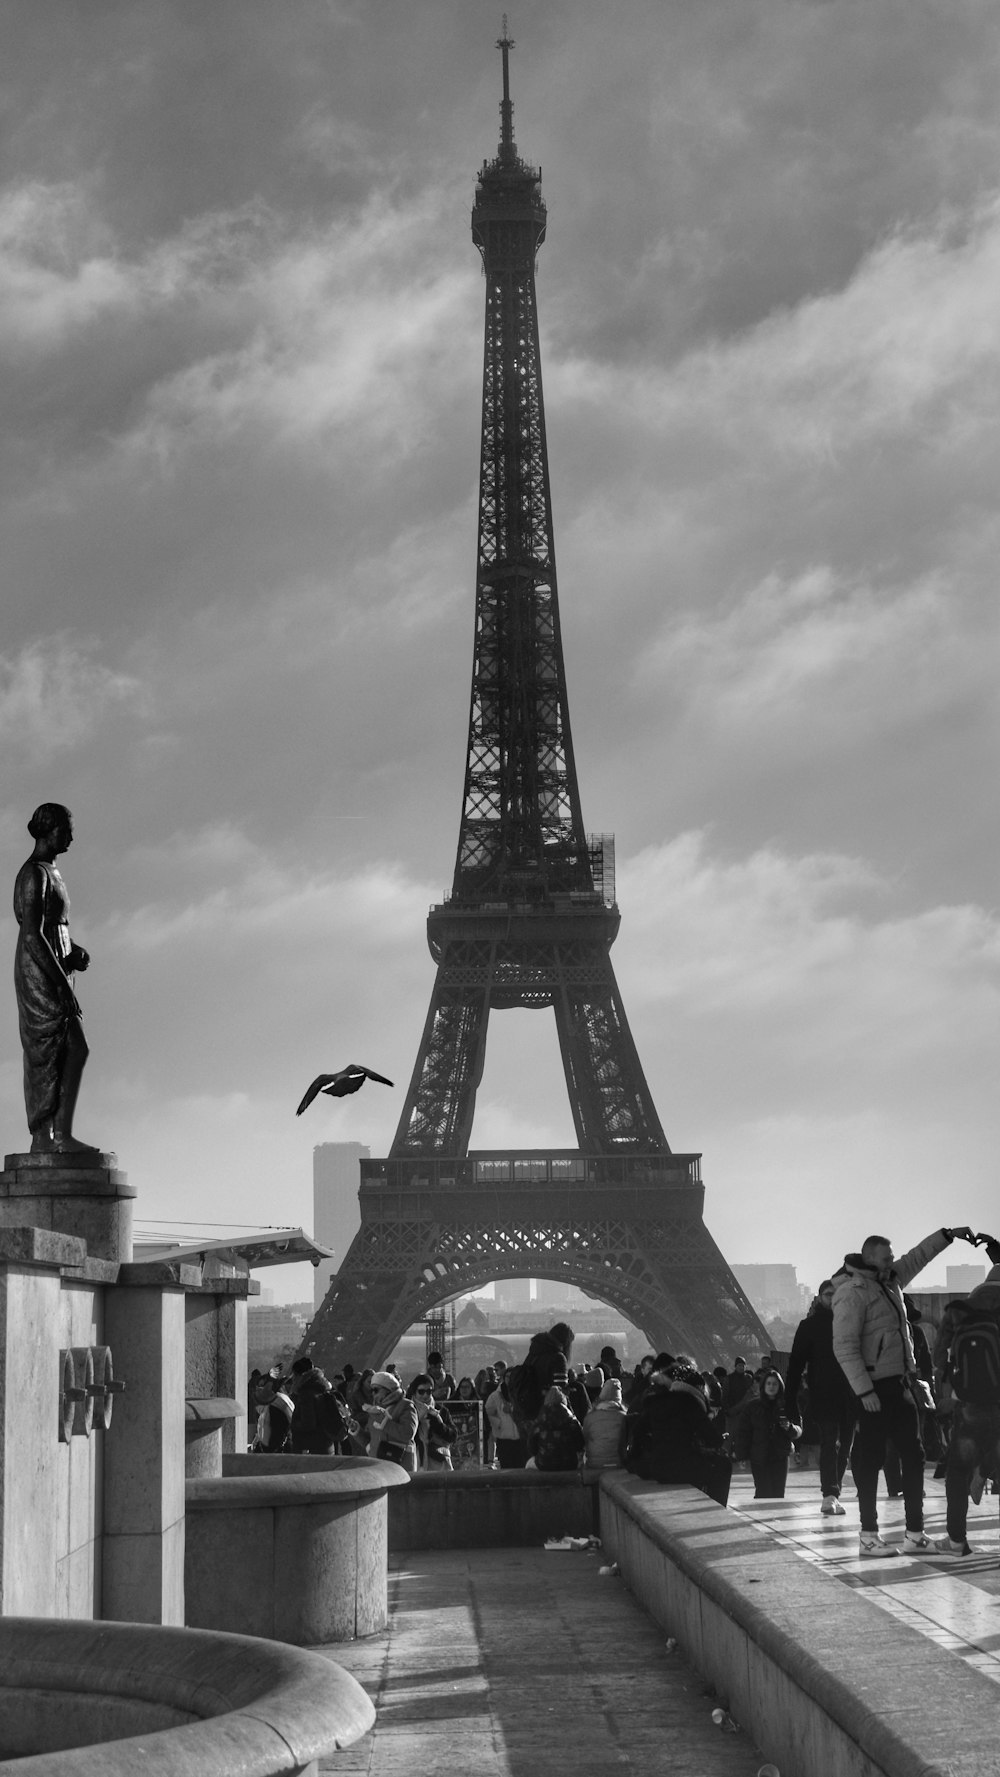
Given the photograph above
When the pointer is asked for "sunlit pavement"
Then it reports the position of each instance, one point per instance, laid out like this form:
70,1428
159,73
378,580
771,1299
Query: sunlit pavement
521,1663
954,1600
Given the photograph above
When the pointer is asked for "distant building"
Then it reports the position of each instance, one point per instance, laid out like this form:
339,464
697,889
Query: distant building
960,1279
273,1327
336,1213
774,1290
512,1295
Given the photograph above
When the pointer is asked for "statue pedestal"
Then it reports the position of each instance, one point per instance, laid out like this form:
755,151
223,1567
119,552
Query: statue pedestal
81,1193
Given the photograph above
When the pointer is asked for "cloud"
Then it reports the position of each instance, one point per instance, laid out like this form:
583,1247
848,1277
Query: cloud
259,898
819,654
844,994
54,694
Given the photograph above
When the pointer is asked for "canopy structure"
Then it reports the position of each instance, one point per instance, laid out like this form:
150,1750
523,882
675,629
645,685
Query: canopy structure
244,1252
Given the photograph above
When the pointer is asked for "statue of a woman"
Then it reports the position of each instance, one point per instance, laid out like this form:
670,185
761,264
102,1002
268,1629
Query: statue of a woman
55,1048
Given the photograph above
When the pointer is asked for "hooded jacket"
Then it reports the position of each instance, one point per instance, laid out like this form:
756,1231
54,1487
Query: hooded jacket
871,1334
604,1429
813,1355
671,1434
984,1299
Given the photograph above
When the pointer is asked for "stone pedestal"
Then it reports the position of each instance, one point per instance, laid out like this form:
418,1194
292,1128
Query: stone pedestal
143,1569
81,1193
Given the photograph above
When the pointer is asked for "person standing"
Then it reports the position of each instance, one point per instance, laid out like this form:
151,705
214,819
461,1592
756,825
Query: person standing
766,1435
511,1449
319,1427
737,1386
393,1422
872,1344
546,1360
443,1382
967,1358
436,1431
831,1398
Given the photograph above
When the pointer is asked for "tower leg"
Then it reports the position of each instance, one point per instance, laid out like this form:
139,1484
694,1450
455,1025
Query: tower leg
441,1101
612,1104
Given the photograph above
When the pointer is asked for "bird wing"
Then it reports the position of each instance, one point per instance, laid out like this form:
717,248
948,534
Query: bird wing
339,1085
351,1079
318,1084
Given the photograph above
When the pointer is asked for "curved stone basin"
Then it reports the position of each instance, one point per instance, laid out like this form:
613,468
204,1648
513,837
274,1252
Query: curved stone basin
82,1699
294,1547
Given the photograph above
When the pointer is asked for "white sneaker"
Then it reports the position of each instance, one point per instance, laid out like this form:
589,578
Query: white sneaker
947,1547
831,1507
917,1542
870,1545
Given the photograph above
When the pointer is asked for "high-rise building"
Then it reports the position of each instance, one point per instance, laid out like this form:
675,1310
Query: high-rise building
336,1215
773,1289
963,1278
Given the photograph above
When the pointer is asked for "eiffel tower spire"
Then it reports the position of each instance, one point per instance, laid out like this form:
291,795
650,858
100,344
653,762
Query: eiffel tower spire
530,922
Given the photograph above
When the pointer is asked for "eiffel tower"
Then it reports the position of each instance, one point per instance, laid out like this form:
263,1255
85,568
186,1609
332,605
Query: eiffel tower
530,922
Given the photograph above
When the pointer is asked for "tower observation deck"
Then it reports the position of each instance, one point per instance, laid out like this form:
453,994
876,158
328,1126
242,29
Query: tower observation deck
529,922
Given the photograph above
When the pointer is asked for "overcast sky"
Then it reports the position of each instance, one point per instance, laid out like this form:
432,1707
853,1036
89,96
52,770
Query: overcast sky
241,323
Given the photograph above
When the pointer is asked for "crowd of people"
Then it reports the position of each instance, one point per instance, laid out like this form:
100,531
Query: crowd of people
861,1383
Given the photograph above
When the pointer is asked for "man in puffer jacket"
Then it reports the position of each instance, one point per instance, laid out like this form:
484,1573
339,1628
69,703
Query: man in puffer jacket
872,1344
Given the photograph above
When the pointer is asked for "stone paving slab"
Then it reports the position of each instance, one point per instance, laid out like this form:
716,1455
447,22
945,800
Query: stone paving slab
516,1662
953,1600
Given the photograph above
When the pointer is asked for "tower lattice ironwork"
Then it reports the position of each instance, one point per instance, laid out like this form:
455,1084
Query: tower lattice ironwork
529,922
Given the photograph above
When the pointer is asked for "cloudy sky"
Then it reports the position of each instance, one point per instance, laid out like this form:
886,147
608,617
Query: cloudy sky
241,330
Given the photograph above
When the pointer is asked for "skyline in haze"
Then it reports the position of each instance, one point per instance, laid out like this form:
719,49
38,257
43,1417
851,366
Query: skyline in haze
241,323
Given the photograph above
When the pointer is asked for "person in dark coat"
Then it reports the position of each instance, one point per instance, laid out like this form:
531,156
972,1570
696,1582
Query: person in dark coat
737,1386
671,1436
831,1398
556,1439
766,1436
319,1425
528,1383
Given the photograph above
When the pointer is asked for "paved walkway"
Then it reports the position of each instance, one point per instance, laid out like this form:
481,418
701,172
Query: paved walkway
521,1663
955,1601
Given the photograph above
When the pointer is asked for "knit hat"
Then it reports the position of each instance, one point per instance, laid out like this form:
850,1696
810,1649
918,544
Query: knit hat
385,1379
612,1391
593,1380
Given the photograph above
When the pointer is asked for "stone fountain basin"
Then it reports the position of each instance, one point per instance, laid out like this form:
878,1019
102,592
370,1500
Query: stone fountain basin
292,1548
93,1699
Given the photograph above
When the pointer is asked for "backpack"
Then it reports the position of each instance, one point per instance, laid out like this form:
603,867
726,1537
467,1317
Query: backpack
974,1361
318,1411
331,1422
525,1391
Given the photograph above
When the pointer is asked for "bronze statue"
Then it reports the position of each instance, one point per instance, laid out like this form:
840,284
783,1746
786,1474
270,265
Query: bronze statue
55,1048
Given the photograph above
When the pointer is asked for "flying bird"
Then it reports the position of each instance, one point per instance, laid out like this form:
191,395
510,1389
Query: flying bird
349,1079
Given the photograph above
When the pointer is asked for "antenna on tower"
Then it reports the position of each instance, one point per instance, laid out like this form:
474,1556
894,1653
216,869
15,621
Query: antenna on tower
505,44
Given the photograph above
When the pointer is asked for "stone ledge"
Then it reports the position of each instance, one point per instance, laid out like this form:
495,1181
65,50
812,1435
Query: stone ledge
159,1274
820,1679
209,1410
256,1487
200,1702
492,1508
22,1245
